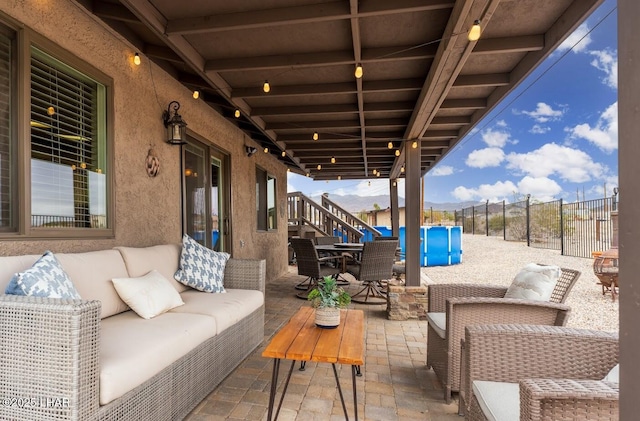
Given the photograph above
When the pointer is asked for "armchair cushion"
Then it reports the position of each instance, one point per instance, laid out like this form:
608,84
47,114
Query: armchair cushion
500,401
438,321
200,267
149,295
46,278
534,282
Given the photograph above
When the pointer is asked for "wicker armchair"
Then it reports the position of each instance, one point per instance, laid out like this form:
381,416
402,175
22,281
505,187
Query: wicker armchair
559,371
453,306
311,265
375,266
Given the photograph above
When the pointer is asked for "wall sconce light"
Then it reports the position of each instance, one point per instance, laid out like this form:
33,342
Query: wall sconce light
136,59
475,31
250,150
176,127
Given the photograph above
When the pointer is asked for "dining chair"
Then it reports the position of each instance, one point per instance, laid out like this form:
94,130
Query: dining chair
311,265
375,265
452,307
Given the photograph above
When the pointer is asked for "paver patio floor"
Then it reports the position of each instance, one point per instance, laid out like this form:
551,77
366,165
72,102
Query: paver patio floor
395,384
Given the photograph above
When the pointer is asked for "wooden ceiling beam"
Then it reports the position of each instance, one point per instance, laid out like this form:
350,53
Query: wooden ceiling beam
509,45
113,11
491,79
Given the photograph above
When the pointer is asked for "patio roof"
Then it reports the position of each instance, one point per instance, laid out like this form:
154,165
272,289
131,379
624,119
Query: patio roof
423,79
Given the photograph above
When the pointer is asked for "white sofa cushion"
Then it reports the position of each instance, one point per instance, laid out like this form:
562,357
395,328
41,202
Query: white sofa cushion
534,282
164,258
46,278
227,309
201,268
132,349
149,295
92,273
499,401
438,321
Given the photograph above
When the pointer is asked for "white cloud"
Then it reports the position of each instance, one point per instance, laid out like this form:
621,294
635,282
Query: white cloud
441,170
606,61
604,134
567,163
579,40
487,157
539,129
544,113
495,138
541,188
501,123
492,192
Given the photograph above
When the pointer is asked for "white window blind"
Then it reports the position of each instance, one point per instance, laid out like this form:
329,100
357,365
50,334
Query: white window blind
67,153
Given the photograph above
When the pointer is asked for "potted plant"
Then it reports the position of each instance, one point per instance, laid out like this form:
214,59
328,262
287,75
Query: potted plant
328,298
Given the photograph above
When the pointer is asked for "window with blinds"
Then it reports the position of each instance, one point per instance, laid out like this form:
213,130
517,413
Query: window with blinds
68,146
8,202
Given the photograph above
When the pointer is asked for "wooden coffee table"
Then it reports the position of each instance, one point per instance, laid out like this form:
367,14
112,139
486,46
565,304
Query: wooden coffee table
301,340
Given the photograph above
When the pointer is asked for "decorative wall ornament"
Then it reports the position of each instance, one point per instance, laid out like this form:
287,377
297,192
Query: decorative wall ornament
152,163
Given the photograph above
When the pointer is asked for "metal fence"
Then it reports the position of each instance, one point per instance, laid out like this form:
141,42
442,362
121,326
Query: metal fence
576,229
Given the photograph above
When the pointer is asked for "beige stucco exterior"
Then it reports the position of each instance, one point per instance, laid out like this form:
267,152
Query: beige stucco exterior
148,210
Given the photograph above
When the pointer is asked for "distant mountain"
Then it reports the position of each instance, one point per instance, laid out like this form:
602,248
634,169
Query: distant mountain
354,203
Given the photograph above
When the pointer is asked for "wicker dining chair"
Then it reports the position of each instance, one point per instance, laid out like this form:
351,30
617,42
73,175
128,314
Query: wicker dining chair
553,373
451,307
311,265
375,266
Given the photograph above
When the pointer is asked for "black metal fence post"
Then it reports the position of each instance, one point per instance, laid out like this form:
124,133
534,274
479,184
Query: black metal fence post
504,220
561,229
486,217
473,220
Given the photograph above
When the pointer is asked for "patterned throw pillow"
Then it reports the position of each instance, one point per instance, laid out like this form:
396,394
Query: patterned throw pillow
45,278
200,267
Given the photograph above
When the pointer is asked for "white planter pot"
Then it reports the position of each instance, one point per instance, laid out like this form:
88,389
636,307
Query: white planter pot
327,317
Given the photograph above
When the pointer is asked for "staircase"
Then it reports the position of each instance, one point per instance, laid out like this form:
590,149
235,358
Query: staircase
308,218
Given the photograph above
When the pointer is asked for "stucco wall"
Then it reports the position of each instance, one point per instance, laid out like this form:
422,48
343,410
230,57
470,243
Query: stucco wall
148,209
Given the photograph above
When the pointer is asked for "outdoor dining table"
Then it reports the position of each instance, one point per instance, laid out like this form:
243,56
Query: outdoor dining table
339,248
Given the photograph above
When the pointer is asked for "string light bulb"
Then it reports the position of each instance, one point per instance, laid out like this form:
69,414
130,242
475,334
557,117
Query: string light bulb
475,31
378,174
397,152
339,177
414,145
136,59
284,154
374,171
390,145
358,72
319,167
333,159
266,150
51,111
196,94
402,168
266,88
237,113
316,136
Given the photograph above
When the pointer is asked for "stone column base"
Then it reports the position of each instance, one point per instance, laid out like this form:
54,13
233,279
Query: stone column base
404,303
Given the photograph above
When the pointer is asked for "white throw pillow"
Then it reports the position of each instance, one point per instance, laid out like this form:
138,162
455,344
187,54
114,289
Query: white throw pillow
46,278
201,268
534,282
613,375
149,295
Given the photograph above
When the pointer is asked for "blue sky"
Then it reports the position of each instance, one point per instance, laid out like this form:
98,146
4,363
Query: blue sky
555,136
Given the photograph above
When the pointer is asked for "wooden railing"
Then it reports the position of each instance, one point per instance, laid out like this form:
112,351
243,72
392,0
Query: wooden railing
329,221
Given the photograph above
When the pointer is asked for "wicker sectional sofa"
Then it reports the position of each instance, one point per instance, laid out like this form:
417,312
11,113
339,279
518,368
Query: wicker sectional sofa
94,359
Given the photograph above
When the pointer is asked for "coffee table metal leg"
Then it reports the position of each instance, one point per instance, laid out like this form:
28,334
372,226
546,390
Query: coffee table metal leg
355,371
274,385
344,407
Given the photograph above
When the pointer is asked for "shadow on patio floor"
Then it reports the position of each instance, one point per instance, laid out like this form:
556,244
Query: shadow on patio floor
395,384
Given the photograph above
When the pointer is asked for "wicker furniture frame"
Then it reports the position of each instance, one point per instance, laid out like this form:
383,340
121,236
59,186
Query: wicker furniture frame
470,304
558,369
375,265
50,349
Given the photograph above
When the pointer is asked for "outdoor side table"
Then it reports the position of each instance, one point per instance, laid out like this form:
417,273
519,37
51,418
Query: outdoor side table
301,340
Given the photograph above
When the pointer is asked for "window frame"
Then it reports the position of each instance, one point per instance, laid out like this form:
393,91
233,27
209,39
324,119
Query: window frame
25,39
262,203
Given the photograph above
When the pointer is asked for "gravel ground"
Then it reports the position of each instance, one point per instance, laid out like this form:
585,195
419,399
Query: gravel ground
492,260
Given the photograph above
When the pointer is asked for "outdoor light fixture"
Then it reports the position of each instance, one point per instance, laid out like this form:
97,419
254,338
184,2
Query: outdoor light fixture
390,145
402,169
475,31
333,159
397,152
414,145
176,127
374,171
196,94
339,177
284,154
358,73
315,135
136,59
319,167
265,150
266,88
236,114
250,150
